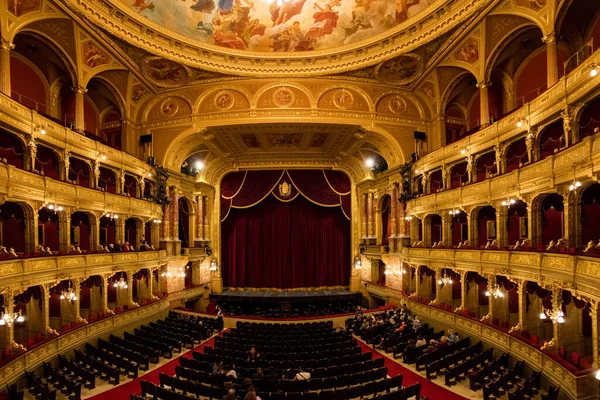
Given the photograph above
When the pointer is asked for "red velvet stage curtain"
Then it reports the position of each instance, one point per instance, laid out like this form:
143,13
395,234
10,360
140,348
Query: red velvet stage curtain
277,244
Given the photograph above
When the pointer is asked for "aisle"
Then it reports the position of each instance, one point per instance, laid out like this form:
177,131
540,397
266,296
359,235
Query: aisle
428,388
123,391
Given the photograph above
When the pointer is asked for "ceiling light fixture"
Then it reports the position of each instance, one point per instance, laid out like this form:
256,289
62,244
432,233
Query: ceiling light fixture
199,165
508,202
370,162
10,318
121,284
495,292
445,280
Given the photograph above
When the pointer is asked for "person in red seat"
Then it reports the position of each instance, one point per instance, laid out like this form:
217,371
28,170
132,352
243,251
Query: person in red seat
443,343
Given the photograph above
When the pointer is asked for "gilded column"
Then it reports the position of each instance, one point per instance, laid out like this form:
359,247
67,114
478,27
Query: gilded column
445,177
130,301
365,216
414,229
206,211
121,181
556,306
155,235
529,142
370,222
571,218
120,229
484,103
45,326
501,232
425,183
470,169
571,135
105,278
417,282
438,286
447,229
141,188
80,108
551,58
9,329
76,283
5,49
463,291
595,336
394,218
427,231
64,224
199,219
522,296
31,229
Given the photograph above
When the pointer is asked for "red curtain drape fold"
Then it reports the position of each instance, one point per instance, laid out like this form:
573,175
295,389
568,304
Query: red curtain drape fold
277,244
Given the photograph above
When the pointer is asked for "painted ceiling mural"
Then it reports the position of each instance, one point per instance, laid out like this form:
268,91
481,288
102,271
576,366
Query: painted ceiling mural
279,25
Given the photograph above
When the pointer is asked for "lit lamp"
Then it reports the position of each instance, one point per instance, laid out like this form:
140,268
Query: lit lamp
121,284
495,291
214,266
10,318
357,264
555,315
445,280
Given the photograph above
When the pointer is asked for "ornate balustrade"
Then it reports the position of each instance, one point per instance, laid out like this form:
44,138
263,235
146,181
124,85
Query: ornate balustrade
542,176
579,274
575,387
548,105
20,185
38,270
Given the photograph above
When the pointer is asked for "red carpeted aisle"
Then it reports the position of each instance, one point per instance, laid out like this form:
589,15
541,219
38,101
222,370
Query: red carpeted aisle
122,392
428,388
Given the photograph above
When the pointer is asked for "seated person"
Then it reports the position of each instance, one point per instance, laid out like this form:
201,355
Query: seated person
420,342
259,375
443,343
232,372
302,375
144,244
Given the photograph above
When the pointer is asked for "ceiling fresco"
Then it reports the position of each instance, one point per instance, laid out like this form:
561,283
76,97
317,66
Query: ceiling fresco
279,25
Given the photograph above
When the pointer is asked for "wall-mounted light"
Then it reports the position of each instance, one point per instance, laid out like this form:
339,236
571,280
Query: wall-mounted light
594,70
54,207
370,162
214,266
111,215
357,263
156,221
408,218
508,202
41,129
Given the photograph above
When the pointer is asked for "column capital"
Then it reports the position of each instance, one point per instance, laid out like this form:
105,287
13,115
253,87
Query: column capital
6,45
549,38
483,85
79,89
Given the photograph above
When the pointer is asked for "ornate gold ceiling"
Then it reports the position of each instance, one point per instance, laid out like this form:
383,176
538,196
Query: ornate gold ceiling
297,38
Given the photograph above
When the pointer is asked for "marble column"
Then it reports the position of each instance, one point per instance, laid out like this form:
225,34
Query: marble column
80,108
484,103
365,216
5,49
370,215
551,58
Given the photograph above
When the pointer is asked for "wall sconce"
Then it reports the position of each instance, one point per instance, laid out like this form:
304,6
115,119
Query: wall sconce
214,266
357,263
408,218
594,70
9,319
41,129
156,221
508,202
111,215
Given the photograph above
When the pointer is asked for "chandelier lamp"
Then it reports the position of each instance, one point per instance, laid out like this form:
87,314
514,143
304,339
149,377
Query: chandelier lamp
54,207
495,292
156,221
555,314
68,294
445,280
121,284
111,215
408,218
454,212
508,202
10,318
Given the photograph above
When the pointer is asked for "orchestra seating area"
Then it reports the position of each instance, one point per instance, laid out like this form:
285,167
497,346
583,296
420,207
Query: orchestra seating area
115,358
296,311
462,361
338,368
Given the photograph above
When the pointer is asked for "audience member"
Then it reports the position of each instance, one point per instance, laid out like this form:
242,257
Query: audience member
302,375
420,342
230,395
253,355
259,375
232,372
217,367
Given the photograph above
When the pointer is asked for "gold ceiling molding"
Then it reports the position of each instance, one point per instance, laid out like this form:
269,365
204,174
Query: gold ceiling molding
125,23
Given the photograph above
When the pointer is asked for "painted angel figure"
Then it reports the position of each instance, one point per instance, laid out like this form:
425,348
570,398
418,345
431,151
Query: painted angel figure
141,5
325,20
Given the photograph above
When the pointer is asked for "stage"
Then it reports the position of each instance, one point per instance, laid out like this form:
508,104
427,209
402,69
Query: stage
286,296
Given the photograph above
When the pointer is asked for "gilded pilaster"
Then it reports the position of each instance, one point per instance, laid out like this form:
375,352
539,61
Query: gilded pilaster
551,58
66,164
80,92
501,232
5,49
64,223
365,216
370,212
206,218
491,302
463,291
447,229
199,220
120,229
484,103
595,336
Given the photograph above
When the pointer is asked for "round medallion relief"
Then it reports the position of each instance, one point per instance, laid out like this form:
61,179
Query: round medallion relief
343,99
397,104
283,97
224,100
169,107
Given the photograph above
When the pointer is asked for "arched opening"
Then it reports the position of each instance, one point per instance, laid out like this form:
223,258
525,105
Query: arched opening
456,123
80,231
107,181
459,175
552,216
48,229
90,299
517,224
28,304
436,181
184,223
149,189
12,221
111,128
590,215
189,276
108,234
579,25
516,155
131,234
47,162
118,292
577,346
427,284
79,172
506,304
62,304
589,120
386,220
486,225
449,296
147,234
461,101
485,166
537,299
12,149
460,228
435,226
102,116
551,139
130,188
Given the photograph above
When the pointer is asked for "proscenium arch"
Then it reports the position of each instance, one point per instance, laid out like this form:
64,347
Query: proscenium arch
173,157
